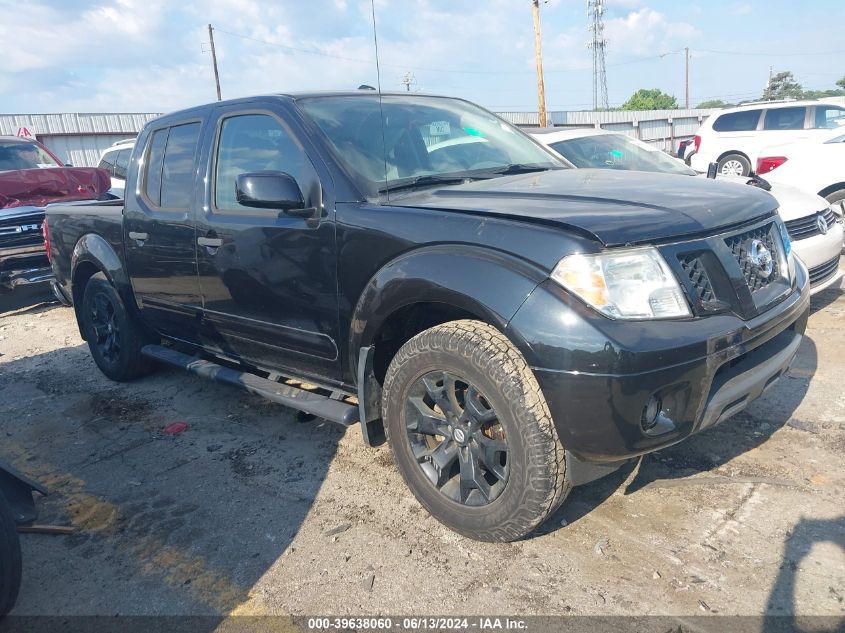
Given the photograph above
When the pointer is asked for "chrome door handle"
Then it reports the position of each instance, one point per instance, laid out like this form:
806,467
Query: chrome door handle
210,242
140,238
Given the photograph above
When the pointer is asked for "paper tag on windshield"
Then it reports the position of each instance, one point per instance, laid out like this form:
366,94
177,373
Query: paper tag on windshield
439,128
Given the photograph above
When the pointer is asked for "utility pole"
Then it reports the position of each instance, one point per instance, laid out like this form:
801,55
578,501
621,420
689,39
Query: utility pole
538,54
686,77
214,61
409,80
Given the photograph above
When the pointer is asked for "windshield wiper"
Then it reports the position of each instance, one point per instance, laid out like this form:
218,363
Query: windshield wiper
518,168
426,181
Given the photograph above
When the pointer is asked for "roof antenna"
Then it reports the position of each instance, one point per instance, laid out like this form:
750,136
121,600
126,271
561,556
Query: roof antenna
380,105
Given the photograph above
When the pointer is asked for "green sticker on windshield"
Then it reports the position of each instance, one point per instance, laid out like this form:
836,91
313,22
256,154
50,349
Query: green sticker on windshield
473,132
616,153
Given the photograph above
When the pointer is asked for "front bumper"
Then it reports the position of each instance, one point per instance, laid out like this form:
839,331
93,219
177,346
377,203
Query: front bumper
820,254
597,375
24,265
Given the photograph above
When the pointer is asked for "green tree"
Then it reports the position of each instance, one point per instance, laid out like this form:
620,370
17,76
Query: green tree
650,99
783,86
841,83
712,103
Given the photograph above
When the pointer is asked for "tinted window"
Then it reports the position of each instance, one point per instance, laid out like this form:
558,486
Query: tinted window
255,142
121,163
743,121
785,119
155,154
829,117
107,162
177,174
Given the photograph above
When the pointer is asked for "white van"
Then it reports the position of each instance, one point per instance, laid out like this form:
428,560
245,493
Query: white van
734,137
115,160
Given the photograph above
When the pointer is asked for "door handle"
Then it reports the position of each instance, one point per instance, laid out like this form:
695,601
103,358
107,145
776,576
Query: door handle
140,238
210,242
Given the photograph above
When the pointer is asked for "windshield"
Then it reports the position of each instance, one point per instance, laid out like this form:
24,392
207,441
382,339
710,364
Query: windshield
424,139
19,155
617,151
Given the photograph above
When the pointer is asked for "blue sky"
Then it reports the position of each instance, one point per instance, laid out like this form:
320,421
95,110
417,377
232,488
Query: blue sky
151,55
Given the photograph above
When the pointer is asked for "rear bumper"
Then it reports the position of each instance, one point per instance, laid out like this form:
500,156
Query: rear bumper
702,370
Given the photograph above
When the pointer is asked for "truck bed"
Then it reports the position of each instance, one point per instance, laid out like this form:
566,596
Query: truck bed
68,222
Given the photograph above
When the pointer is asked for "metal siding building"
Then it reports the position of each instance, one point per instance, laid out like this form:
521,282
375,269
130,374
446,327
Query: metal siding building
76,138
80,138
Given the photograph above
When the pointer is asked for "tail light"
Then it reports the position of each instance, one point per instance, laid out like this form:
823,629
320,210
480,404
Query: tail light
697,143
46,232
769,163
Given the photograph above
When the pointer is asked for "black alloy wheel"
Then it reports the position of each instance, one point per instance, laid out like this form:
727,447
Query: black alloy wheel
105,327
457,439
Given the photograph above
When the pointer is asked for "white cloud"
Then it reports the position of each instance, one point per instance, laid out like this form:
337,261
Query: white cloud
647,32
743,9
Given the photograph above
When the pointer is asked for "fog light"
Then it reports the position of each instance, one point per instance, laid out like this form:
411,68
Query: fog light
651,411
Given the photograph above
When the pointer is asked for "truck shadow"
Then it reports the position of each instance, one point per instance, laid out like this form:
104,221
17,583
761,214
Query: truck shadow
26,298
183,523
782,604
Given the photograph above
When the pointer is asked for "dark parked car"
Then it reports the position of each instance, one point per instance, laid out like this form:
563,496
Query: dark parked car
515,327
30,177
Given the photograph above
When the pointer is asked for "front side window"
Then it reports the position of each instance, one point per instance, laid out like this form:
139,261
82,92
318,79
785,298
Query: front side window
617,151
17,155
403,138
743,121
253,143
829,117
785,119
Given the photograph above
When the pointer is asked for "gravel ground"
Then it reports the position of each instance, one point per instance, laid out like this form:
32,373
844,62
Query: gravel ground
253,511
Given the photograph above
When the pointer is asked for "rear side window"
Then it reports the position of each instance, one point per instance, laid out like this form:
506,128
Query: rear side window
743,121
169,181
829,117
155,157
107,162
785,119
121,163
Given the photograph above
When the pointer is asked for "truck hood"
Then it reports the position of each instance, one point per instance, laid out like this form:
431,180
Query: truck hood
37,187
616,207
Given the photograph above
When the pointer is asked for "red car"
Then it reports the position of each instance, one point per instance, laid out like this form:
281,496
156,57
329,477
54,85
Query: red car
31,177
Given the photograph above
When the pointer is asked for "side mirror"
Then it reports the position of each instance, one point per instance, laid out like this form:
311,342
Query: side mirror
269,190
712,170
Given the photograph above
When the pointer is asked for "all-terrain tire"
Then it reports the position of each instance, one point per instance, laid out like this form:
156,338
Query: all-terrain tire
10,558
480,353
123,361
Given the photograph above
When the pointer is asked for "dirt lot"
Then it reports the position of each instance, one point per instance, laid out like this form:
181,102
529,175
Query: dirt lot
251,511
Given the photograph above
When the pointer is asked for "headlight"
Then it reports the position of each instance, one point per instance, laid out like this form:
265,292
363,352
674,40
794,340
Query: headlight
625,284
787,249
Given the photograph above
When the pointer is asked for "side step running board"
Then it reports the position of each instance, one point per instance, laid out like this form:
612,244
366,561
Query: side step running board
300,399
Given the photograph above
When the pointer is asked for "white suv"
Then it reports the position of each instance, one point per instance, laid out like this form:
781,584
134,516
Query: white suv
734,137
115,160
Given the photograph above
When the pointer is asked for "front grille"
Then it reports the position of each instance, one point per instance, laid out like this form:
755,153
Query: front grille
802,228
821,273
697,273
740,246
23,230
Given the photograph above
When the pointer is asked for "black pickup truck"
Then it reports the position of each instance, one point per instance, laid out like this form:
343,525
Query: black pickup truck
513,327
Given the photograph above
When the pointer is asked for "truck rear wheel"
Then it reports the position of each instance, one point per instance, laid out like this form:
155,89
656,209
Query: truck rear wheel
114,336
471,432
10,559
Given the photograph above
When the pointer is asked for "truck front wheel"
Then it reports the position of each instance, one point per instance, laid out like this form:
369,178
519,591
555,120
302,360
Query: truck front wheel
114,337
471,432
